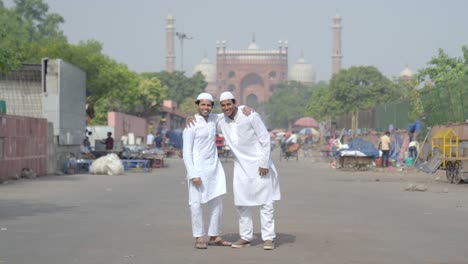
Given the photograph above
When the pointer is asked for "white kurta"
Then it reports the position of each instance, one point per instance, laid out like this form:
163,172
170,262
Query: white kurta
201,160
249,140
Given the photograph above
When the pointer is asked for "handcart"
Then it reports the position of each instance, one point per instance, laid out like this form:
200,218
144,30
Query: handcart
456,169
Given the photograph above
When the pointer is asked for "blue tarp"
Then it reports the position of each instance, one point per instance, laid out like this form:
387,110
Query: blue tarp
175,136
363,146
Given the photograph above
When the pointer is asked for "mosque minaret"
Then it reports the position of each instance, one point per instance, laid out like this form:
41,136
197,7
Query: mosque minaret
336,55
170,46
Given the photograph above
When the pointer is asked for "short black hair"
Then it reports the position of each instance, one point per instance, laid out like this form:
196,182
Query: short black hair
198,102
233,101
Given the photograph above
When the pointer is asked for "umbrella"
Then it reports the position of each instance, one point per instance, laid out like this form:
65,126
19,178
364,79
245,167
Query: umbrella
274,131
306,122
309,131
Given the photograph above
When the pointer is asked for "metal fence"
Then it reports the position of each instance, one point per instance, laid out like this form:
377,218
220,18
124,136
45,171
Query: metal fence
380,117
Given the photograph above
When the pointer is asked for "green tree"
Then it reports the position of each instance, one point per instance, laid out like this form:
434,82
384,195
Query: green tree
188,106
443,68
34,15
359,88
13,35
287,103
27,28
150,93
444,99
320,105
179,87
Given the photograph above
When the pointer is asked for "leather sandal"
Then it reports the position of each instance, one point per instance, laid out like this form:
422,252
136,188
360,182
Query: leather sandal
219,242
200,244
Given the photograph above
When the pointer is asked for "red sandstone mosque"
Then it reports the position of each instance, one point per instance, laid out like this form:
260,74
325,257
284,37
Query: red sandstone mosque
252,73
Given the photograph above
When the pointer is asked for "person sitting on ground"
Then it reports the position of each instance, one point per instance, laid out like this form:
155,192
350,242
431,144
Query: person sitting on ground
85,149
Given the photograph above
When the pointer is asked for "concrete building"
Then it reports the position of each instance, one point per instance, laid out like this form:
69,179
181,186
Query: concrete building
53,92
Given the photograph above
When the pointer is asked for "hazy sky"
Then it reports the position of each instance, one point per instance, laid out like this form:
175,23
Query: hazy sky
386,34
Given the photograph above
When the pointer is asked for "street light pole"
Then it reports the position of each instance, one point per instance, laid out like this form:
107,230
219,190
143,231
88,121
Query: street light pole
181,37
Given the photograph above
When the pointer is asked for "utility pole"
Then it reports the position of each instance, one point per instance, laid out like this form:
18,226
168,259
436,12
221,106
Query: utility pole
181,37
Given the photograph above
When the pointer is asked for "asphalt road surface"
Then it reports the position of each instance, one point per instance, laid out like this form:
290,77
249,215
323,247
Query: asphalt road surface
325,216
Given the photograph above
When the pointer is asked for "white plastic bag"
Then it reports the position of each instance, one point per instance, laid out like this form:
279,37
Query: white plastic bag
109,164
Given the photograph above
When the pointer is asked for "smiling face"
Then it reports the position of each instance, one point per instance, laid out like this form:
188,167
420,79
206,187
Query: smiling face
204,108
229,108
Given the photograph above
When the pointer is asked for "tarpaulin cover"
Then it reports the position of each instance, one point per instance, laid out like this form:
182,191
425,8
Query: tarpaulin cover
363,146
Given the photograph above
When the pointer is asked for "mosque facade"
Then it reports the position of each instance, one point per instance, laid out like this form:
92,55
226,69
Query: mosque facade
251,74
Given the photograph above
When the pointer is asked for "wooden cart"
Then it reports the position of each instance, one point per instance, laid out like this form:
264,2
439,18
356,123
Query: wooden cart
355,162
456,169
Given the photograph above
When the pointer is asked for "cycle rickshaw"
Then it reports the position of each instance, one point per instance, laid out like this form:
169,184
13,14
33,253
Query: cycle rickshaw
289,151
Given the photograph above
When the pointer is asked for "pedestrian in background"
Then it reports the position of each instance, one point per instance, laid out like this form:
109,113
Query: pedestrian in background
385,147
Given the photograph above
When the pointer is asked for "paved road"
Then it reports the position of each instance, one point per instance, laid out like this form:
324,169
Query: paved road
326,216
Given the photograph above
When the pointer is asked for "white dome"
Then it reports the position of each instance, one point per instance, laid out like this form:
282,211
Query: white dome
406,73
302,72
253,46
207,69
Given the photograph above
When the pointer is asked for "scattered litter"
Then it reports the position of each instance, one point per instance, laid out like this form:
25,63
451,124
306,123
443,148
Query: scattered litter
3,229
377,180
445,190
28,173
414,187
128,259
427,213
437,178
108,189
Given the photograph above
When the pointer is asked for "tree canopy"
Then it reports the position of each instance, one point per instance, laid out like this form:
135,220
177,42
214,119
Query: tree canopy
360,87
320,104
26,27
445,97
287,103
179,87
31,33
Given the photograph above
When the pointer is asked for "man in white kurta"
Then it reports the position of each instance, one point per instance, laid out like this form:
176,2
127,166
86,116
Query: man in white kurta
205,174
255,181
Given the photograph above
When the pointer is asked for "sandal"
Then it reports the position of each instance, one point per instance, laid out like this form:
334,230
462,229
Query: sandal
200,244
219,242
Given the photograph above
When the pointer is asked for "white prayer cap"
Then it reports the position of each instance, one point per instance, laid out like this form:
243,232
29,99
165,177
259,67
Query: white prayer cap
206,96
226,96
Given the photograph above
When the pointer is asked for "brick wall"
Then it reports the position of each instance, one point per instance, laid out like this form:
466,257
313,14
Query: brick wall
23,144
124,124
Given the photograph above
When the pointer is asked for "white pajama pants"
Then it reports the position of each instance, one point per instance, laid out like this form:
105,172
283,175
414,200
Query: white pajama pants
266,219
216,210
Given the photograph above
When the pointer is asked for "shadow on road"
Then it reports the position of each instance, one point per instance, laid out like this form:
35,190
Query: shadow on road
281,239
11,209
